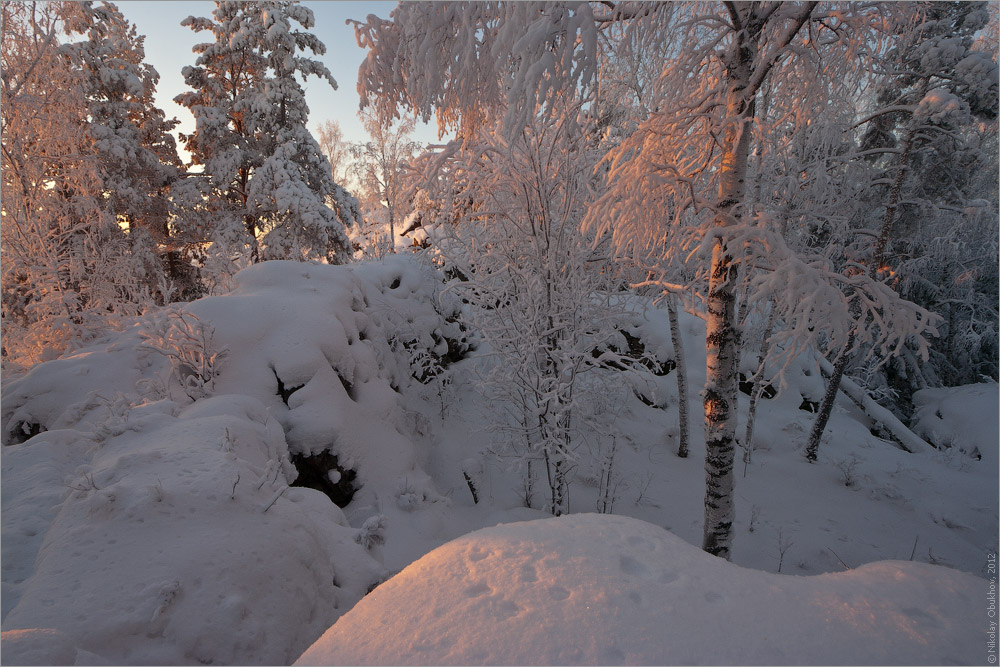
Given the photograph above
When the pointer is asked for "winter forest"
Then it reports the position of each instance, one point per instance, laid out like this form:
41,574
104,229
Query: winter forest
679,345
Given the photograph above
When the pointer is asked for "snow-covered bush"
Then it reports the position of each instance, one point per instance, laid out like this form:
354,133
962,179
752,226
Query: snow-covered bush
372,532
195,360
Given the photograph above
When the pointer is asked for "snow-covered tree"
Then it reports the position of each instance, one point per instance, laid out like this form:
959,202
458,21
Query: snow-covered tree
540,299
678,181
138,159
378,168
264,173
948,190
930,84
336,149
69,271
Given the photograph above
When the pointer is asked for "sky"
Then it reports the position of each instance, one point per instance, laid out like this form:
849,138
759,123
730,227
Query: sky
168,49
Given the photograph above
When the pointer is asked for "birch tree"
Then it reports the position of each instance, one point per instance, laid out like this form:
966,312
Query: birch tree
335,147
678,183
540,298
378,167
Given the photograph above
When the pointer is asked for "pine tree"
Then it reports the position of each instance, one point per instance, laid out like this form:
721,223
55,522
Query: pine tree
137,155
264,172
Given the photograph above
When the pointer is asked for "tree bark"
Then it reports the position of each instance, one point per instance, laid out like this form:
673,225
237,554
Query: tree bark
681,368
757,389
722,358
826,405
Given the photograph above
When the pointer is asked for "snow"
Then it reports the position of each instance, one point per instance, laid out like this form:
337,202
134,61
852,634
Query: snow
142,526
174,518
942,417
601,589
940,106
168,520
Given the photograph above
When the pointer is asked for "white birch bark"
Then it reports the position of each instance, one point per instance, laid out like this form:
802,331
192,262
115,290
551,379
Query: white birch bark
681,368
722,358
746,68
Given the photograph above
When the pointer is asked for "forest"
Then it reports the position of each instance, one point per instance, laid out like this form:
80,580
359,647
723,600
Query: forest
687,298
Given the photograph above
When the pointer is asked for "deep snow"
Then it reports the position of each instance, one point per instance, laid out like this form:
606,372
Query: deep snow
601,589
142,526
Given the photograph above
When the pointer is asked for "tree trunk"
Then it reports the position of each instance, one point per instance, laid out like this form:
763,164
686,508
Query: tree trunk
722,359
757,389
878,263
892,428
720,406
826,405
681,368
555,468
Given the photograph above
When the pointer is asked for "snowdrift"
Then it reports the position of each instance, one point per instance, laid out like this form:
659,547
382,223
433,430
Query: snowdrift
178,542
601,589
942,417
148,512
153,507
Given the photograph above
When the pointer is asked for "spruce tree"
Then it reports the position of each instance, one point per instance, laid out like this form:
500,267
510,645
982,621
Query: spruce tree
265,174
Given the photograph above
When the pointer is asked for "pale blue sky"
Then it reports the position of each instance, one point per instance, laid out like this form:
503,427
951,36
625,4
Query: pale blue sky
168,49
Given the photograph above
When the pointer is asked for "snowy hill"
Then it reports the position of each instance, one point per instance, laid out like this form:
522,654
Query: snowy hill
153,513
168,510
598,589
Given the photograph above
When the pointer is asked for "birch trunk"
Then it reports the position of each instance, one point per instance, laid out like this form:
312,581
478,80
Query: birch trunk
722,360
681,368
757,389
902,436
720,406
826,405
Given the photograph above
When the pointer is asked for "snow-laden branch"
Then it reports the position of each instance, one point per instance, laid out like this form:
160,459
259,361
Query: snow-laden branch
777,48
894,108
903,436
819,307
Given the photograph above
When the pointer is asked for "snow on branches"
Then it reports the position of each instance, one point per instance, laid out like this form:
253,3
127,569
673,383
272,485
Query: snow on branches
463,60
265,168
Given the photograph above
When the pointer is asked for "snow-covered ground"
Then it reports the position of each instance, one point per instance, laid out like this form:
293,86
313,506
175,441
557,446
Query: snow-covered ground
148,517
593,589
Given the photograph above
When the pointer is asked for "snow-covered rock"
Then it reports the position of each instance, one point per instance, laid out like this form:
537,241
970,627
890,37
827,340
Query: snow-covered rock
146,520
147,510
600,589
176,541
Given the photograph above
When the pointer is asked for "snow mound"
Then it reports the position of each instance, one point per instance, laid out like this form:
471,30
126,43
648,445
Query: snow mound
602,589
942,417
175,541
149,515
